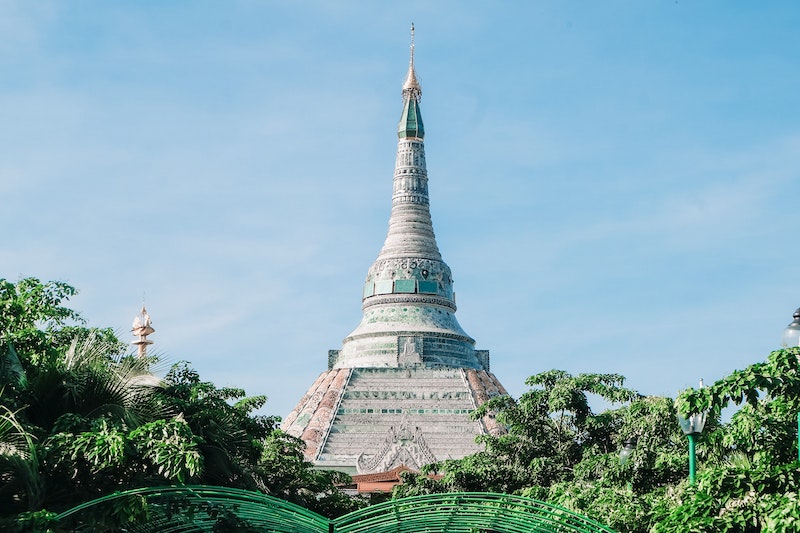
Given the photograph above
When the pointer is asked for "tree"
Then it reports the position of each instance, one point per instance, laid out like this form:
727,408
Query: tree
73,396
33,321
287,474
557,449
81,418
230,436
549,429
750,479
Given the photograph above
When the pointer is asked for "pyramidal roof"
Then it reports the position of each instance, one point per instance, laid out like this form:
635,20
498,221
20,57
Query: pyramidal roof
400,390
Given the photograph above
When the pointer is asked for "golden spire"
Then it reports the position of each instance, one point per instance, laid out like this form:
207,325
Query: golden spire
411,87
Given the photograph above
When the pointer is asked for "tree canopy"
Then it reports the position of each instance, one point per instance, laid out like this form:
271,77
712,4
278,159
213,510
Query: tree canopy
558,450
81,418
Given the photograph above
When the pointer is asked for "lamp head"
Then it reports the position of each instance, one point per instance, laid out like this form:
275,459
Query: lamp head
791,335
626,451
694,424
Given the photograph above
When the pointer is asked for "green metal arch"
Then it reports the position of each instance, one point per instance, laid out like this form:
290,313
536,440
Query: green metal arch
206,509
466,512
194,508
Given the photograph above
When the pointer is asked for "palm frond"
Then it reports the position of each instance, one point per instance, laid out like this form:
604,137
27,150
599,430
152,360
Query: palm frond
19,464
14,440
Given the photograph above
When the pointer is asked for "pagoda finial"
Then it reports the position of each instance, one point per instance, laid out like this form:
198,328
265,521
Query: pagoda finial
141,329
411,87
412,43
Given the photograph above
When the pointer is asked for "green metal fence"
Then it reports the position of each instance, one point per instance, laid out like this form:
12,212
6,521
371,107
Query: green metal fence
210,509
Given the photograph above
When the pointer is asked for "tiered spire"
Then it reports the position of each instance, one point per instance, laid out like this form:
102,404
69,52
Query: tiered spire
408,300
141,329
410,227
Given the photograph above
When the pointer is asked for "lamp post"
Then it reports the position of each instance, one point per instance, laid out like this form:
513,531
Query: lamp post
692,427
625,454
790,339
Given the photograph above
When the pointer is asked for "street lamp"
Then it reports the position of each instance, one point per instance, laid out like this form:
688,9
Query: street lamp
790,339
692,427
625,454
626,451
791,335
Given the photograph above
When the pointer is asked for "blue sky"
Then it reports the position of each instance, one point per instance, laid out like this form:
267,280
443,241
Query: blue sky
614,184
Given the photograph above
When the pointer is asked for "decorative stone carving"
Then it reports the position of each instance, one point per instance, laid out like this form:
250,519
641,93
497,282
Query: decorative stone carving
402,447
410,352
389,299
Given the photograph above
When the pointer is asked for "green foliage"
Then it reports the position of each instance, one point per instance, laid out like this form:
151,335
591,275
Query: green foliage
31,522
170,448
30,311
737,498
557,450
101,448
229,435
615,508
19,461
750,479
778,376
288,475
549,430
80,419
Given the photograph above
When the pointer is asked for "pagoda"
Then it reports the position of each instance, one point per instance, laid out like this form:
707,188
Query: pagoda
400,390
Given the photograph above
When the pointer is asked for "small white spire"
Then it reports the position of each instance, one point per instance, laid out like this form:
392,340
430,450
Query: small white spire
141,329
